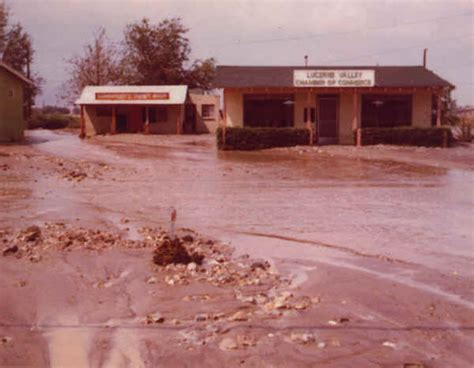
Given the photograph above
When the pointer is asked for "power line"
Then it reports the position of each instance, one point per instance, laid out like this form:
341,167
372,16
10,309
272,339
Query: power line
317,35
399,49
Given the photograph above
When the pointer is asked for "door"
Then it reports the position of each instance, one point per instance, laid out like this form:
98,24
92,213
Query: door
328,119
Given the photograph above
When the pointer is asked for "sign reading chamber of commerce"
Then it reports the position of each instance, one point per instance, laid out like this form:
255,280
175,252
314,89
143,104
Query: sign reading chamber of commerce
130,96
333,78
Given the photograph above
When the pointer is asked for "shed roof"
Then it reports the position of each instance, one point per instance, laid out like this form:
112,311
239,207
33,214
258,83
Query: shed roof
282,76
15,73
133,95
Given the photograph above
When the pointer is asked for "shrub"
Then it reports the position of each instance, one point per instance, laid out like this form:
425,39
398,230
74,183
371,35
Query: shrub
408,136
52,121
247,139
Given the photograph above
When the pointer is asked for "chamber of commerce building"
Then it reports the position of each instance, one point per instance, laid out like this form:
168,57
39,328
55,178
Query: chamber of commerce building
334,101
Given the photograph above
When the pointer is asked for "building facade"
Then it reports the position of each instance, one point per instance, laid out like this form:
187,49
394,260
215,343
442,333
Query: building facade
333,101
12,121
147,109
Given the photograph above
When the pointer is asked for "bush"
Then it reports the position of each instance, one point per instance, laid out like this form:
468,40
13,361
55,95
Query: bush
52,121
246,139
408,136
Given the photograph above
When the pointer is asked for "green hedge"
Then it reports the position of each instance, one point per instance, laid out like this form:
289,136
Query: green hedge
52,121
247,139
407,136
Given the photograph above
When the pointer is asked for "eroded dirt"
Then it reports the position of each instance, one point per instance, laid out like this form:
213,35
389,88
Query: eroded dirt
331,256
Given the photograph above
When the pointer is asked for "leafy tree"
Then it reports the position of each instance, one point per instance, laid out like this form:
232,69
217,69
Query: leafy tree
3,26
17,51
158,54
98,65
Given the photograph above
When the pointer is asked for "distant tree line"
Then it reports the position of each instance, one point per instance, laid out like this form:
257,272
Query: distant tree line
149,54
17,51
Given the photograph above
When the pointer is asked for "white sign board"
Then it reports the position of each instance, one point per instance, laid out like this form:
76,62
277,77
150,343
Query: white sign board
333,78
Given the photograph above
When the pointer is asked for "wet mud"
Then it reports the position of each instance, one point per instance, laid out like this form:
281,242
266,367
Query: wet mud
372,250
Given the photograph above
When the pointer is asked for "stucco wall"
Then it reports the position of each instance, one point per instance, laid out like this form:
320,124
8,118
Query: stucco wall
12,123
234,108
421,109
169,127
102,124
205,125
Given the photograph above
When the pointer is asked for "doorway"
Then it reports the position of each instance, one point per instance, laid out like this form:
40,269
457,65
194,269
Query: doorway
190,118
328,118
121,123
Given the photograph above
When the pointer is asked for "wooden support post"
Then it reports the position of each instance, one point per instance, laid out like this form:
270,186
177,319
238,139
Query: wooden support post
82,135
308,119
147,120
355,119
224,120
438,110
178,121
113,128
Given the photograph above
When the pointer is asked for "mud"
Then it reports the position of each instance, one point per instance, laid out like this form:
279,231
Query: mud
363,257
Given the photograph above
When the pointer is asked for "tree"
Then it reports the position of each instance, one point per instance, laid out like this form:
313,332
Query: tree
98,65
16,50
158,54
4,13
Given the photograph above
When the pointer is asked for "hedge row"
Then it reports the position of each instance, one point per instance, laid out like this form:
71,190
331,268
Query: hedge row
407,136
52,121
247,139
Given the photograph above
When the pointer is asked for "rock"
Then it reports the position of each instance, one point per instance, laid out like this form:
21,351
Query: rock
239,316
152,280
188,238
202,317
31,233
389,344
12,249
227,344
191,266
302,337
6,339
245,341
154,318
35,258
259,265
321,345
413,365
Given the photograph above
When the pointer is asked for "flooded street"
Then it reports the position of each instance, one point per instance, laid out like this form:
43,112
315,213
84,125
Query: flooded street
386,238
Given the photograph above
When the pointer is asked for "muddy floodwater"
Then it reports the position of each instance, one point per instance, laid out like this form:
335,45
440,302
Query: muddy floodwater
383,236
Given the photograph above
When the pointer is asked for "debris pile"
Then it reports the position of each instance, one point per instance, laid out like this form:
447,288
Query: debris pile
172,251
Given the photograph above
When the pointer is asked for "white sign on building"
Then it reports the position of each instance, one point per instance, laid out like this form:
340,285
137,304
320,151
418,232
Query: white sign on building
333,78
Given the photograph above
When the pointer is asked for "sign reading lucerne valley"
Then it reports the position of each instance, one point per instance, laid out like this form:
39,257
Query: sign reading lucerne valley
333,78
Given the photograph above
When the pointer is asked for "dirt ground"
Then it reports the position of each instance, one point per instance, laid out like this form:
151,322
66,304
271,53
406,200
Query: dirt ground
313,256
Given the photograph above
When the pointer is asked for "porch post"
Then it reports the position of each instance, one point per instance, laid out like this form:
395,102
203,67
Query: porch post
438,110
224,120
178,120
147,120
355,119
113,128
83,124
308,119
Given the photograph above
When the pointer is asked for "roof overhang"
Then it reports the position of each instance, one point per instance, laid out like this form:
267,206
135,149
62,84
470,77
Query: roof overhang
15,73
133,95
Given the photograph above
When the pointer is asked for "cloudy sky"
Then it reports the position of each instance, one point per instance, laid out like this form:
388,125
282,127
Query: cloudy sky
271,32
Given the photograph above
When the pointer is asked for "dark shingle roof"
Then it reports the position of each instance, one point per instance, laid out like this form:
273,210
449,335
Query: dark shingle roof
282,76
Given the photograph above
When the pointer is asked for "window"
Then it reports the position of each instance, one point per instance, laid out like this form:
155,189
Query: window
268,110
208,111
386,111
103,111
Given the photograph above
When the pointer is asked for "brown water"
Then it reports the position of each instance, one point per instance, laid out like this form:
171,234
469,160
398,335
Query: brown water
277,203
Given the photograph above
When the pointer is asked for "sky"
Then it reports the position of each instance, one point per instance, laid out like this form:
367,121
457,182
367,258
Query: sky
260,32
